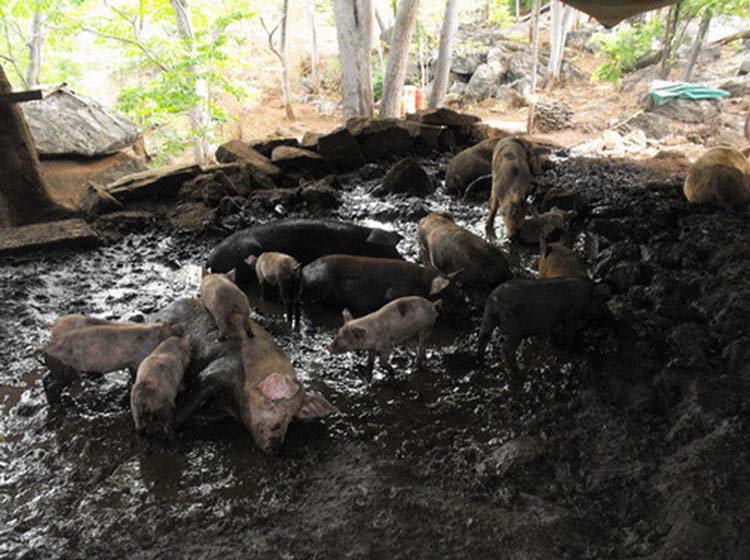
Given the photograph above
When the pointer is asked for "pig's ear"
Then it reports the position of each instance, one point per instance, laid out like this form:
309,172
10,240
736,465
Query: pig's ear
232,275
205,271
278,387
347,315
250,261
382,237
315,406
439,283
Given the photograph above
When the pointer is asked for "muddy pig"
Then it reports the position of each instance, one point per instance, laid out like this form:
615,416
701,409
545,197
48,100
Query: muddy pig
522,308
455,250
284,273
153,395
108,347
365,284
399,321
226,302
305,240
70,323
543,225
513,165
558,261
721,177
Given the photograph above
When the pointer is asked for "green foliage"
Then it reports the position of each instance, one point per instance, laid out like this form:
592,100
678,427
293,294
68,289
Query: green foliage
624,47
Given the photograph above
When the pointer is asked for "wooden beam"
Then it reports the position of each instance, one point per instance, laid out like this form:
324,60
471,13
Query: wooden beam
21,96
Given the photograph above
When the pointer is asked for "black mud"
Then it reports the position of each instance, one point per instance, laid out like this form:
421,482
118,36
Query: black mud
632,444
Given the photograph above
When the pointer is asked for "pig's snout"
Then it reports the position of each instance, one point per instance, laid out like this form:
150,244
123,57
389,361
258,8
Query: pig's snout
335,347
272,446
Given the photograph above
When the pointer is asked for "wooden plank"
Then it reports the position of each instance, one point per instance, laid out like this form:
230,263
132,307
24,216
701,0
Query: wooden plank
164,181
48,234
21,96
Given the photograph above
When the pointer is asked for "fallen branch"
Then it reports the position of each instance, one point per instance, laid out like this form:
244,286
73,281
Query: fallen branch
734,37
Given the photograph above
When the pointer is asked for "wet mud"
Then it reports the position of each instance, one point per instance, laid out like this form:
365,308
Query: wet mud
633,442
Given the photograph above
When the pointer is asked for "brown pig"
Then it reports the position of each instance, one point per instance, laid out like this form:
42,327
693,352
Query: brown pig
558,261
152,397
542,225
272,394
399,321
513,165
721,177
455,250
522,308
108,347
283,272
227,304
69,323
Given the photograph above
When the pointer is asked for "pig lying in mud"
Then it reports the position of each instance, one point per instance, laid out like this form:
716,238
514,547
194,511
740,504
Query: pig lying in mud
95,346
399,321
513,166
284,273
227,303
523,308
720,177
455,250
365,284
305,240
152,397
558,261
252,380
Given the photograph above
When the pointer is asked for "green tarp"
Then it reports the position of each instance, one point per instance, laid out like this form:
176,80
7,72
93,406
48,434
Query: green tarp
663,92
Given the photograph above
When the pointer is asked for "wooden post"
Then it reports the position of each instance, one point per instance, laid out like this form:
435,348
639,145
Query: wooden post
24,198
534,62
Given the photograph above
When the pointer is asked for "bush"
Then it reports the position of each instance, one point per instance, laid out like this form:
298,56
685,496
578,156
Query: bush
624,47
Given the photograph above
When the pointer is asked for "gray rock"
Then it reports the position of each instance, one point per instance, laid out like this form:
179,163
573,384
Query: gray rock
484,82
737,87
519,452
744,66
406,177
689,110
65,123
466,64
654,125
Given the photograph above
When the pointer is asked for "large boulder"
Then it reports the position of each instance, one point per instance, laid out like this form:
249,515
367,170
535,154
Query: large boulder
694,111
65,123
236,150
266,147
444,117
469,165
484,82
406,177
379,138
298,161
340,150
466,64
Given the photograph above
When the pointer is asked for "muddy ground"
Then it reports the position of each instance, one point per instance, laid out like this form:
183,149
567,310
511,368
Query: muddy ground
632,444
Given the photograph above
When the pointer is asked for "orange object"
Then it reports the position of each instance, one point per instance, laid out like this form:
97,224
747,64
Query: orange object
419,99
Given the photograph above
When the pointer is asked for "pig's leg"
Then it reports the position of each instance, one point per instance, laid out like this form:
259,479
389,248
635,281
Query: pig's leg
485,333
489,226
422,347
385,359
262,287
509,348
56,380
367,377
286,300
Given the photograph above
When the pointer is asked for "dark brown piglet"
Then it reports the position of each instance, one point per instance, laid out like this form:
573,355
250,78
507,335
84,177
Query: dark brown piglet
284,273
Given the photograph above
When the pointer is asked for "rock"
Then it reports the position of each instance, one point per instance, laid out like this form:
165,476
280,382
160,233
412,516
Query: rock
519,68
192,216
564,199
380,138
214,191
519,452
340,150
737,87
437,137
125,221
457,88
689,110
320,196
737,357
688,342
653,125
406,177
444,117
625,274
582,40
270,198
298,160
511,96
484,81
310,140
466,64
66,123
744,66
235,150
49,234
642,399
612,140
468,165
95,200
165,181
551,114
265,147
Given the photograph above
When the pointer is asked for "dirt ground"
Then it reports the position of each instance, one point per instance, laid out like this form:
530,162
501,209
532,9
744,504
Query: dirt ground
631,443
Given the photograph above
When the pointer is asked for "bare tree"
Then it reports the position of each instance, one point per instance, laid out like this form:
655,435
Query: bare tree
281,54
558,34
199,115
670,33
398,58
443,66
24,198
534,62
698,41
35,44
354,35
310,13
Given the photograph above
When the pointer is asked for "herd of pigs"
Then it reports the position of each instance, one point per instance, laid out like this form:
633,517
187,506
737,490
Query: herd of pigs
386,301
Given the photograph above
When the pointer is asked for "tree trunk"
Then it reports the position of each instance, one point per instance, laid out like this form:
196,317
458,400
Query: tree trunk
24,198
398,58
286,91
354,36
560,15
486,11
200,118
673,17
36,42
518,9
534,62
695,48
443,66
310,11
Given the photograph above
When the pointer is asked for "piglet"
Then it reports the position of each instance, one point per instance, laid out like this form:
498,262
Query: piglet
398,321
558,261
227,304
69,323
152,398
283,272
